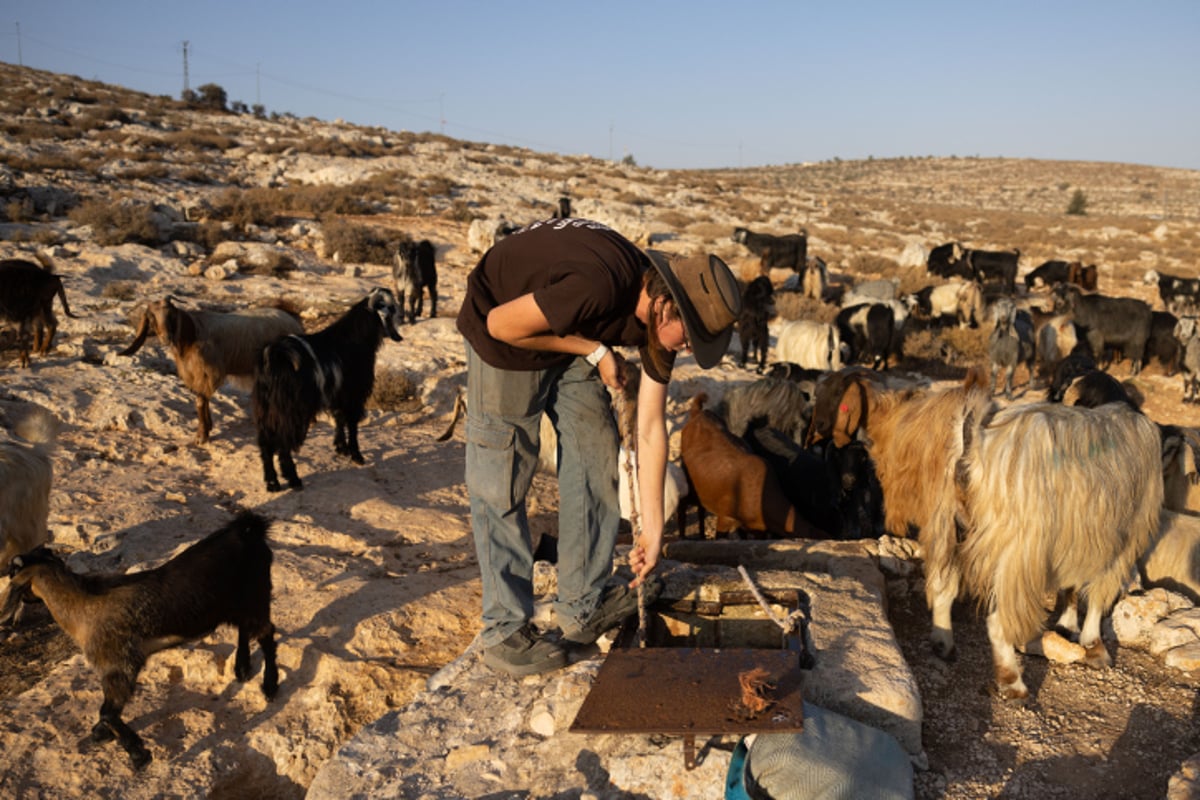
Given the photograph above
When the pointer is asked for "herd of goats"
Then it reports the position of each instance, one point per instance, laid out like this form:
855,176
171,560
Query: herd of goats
820,447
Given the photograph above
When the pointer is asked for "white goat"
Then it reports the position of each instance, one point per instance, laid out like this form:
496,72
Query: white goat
811,344
25,476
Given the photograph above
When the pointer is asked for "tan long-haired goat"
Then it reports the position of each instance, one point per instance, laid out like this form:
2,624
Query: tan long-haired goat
1010,504
208,346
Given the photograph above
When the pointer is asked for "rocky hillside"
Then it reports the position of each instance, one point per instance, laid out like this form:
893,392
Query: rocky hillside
134,197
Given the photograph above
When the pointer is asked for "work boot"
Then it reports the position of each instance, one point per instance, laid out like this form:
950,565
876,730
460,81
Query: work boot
617,603
525,652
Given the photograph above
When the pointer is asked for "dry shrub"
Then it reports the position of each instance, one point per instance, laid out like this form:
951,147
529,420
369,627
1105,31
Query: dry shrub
794,305
197,139
957,347
872,264
121,290
673,219
115,223
712,231
395,390
357,243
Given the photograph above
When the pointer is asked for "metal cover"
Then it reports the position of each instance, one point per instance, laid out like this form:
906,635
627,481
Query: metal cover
688,691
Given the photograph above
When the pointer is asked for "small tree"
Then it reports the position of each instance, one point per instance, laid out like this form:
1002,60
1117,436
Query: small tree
212,97
1078,204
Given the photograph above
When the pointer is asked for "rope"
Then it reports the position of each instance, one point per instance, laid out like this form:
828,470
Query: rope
627,439
788,625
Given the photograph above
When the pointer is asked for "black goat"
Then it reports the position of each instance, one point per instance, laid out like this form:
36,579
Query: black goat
1109,322
836,490
330,370
1000,265
1078,362
120,620
758,306
414,271
1050,273
563,209
1162,344
789,250
1095,388
27,293
870,331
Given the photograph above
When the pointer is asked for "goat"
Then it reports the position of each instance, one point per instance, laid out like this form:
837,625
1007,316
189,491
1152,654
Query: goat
730,481
1010,343
1096,387
119,621
836,491
209,346
1162,344
414,272
816,278
785,404
562,209
25,477
949,261
1109,322
951,465
758,306
1179,295
789,250
960,300
1049,273
998,264
27,293
870,331
1077,364
791,371
811,345
1187,333
330,370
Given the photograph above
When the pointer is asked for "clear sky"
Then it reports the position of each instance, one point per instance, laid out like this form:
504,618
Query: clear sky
672,84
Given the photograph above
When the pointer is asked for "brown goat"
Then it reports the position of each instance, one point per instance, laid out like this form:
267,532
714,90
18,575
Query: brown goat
210,345
733,483
27,293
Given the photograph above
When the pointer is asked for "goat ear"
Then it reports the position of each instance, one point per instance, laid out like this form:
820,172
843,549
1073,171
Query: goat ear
851,413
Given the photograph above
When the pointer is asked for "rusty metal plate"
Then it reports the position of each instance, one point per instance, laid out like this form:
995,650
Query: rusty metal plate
690,691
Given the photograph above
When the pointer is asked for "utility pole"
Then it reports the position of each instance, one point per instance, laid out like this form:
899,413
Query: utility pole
257,84
20,63
185,75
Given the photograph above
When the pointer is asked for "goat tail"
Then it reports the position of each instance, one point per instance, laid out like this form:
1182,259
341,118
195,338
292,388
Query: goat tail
62,296
39,427
697,405
251,526
286,396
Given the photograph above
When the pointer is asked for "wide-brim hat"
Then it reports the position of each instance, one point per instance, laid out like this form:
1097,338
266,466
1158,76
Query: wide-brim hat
707,296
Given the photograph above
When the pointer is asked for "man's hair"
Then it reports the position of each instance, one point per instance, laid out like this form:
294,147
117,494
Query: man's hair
656,286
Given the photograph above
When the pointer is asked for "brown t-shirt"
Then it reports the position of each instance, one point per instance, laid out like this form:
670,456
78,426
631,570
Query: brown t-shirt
585,277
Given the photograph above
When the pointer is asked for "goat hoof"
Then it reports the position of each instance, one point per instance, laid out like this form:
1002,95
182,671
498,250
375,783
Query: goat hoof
945,653
102,733
140,757
295,483
273,486
1096,655
357,458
